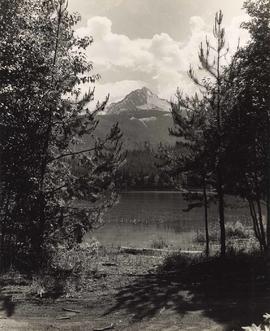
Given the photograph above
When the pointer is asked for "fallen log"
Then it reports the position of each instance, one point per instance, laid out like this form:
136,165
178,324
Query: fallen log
150,251
63,318
110,327
109,264
67,316
71,310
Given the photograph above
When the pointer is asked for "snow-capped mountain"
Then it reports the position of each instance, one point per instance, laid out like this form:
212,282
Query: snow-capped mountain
142,117
141,99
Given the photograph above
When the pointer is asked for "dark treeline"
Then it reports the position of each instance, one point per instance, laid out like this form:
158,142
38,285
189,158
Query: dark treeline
140,171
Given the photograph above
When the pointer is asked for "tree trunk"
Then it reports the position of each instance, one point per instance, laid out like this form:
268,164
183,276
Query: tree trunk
220,191
257,229
221,212
206,219
267,250
260,221
268,199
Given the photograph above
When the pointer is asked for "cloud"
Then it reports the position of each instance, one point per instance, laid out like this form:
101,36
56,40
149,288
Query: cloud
197,24
117,90
93,6
160,62
101,26
235,34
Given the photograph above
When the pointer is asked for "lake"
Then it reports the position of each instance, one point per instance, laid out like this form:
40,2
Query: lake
142,218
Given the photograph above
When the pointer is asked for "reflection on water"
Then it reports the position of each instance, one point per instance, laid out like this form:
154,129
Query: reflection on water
142,217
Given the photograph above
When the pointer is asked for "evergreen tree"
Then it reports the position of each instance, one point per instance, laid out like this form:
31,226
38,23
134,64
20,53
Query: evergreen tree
212,106
190,159
211,57
43,120
248,118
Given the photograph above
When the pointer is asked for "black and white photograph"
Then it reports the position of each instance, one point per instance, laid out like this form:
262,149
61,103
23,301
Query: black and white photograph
135,165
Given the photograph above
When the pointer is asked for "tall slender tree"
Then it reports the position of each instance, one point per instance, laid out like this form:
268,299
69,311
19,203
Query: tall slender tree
211,57
191,125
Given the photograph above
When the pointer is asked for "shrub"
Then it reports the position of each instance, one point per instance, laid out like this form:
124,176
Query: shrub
180,262
67,270
76,258
233,231
200,236
159,243
265,326
237,230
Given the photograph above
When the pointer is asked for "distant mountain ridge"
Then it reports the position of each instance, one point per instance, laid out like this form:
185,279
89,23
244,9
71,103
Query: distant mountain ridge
143,117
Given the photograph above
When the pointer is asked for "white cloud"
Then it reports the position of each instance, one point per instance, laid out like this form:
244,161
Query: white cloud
161,62
117,90
197,24
100,25
235,34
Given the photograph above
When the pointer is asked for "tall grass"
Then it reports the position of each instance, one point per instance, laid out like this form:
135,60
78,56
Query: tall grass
233,231
159,243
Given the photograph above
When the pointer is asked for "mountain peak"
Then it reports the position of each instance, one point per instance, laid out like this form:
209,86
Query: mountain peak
146,90
140,99
142,117
141,95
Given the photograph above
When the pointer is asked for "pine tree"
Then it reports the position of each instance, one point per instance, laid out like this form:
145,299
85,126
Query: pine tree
191,125
258,70
247,118
212,87
43,121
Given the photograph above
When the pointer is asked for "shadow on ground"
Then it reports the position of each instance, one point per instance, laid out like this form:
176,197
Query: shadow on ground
233,292
6,304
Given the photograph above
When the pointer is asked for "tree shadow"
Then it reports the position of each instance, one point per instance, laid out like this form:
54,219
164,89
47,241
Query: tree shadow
233,291
6,303
8,306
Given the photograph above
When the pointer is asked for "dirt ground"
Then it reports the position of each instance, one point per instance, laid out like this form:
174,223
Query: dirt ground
130,292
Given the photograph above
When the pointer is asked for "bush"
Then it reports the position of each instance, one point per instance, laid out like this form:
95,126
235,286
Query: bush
200,236
67,270
233,231
159,243
179,262
237,230
76,258
265,326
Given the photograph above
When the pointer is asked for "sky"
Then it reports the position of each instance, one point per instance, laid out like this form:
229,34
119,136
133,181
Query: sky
151,43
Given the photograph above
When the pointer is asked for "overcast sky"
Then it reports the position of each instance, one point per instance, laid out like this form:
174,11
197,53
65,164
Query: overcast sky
151,42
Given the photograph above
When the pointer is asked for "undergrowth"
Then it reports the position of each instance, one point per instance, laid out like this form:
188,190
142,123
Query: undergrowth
159,243
233,231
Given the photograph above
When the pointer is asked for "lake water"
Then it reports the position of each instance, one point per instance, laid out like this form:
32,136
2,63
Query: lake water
142,218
